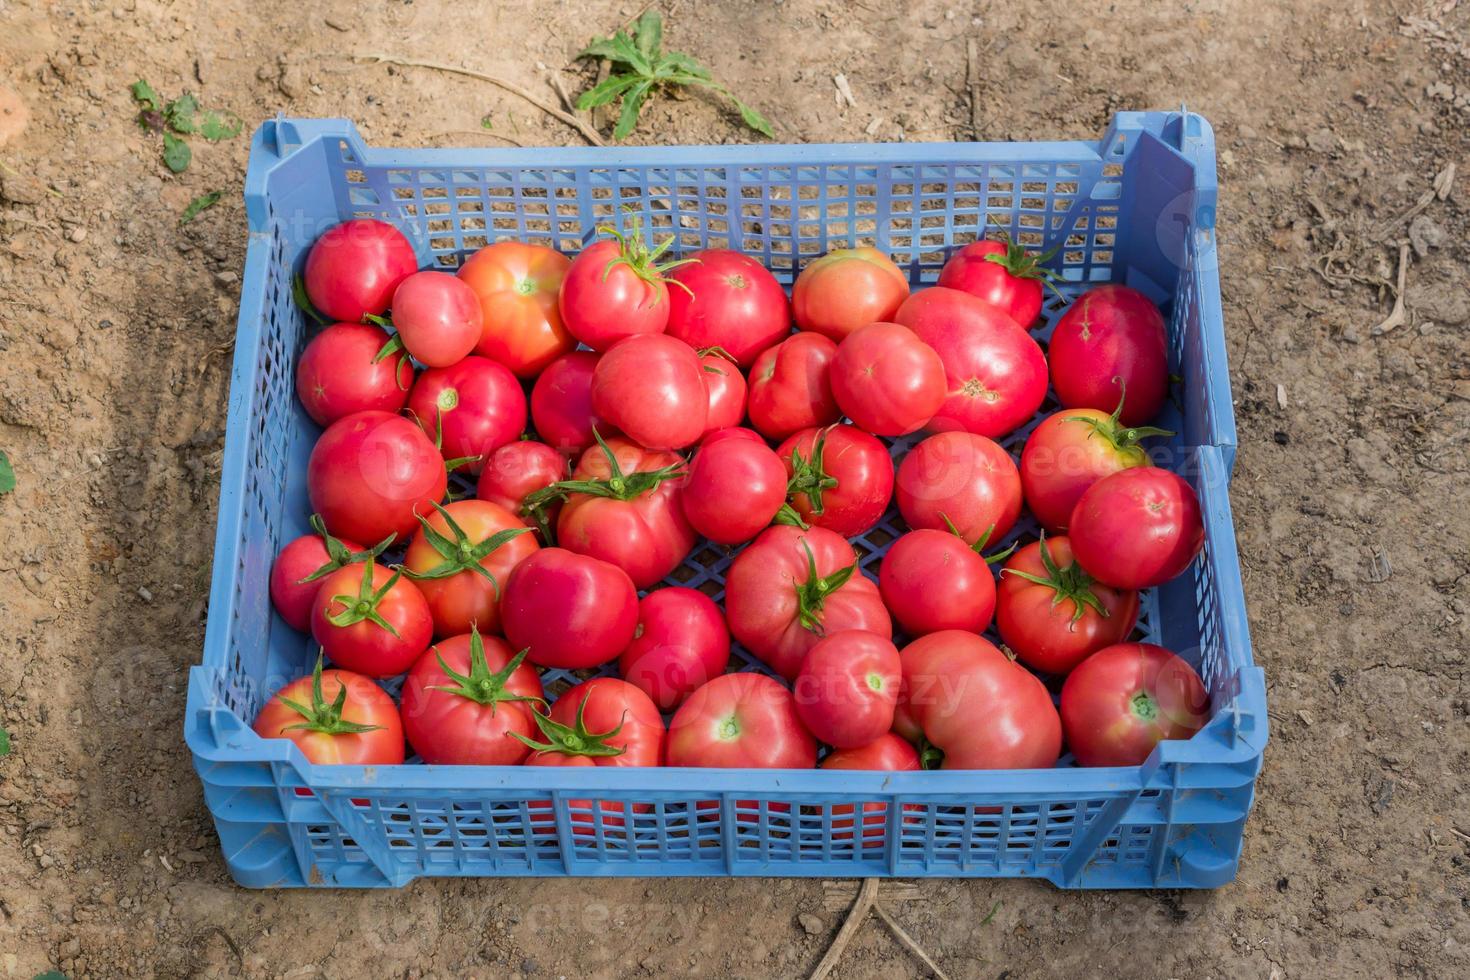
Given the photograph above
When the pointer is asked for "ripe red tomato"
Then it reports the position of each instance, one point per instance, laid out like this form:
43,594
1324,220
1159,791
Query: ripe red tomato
363,730
1052,614
370,473
467,698
1109,342
604,720
740,721
569,610
470,409
932,580
791,386
1123,700
964,478
734,488
352,270
624,506
887,380
975,706
1002,274
841,478
652,388
727,391
730,301
846,289
438,317
304,562
848,687
561,403
517,470
996,373
790,588
460,559
886,753
338,373
371,620
614,290
1137,528
1069,452
518,285
680,643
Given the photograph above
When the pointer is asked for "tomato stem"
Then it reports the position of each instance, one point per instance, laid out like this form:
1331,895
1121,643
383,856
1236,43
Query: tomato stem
461,554
811,594
808,477
364,605
618,485
1068,583
481,685
338,554
1144,707
574,739
639,258
1123,438
323,717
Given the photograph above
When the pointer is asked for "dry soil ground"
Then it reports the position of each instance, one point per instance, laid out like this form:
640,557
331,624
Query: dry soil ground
1333,118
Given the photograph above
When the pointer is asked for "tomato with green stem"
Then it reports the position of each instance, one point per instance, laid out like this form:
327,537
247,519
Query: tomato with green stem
470,409
1054,615
962,480
371,473
740,721
1111,340
301,565
934,580
839,478
1125,699
726,387
371,620
340,372
516,471
336,717
460,559
847,688
517,285
616,288
845,289
1003,274
569,610
605,720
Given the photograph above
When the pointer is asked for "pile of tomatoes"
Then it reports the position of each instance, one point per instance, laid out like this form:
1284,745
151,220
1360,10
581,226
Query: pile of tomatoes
539,440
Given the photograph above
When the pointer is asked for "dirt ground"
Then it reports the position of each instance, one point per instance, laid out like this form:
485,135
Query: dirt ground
1333,117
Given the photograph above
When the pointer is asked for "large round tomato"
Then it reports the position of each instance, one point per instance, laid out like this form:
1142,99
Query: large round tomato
1123,700
606,720
437,317
996,373
681,642
841,478
887,380
371,473
791,386
790,588
470,409
352,270
569,610
848,687
740,721
517,470
1052,614
561,403
363,730
974,706
1137,528
960,479
846,289
932,580
1111,345
303,563
371,620
727,391
517,285
652,388
613,290
1000,273
623,506
338,373
734,489
460,559
1069,452
730,301
467,698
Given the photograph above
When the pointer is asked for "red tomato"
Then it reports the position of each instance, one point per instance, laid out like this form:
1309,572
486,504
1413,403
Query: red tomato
561,402
624,506
1002,274
887,753
680,643
734,489
363,730
727,391
996,373
887,380
1137,528
790,588
1069,452
1109,342
848,687
467,698
304,562
841,478
352,270
960,478
932,580
846,289
371,620
605,720
514,472
730,301
975,706
569,610
1052,614
338,373
740,721
438,317
652,388
518,285
470,409
1123,700
791,386
371,473
614,290
460,559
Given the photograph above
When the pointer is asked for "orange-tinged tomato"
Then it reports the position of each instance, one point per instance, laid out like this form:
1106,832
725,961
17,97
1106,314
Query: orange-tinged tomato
518,285
365,730
460,559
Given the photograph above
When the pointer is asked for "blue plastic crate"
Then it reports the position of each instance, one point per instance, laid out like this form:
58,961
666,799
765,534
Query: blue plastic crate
1136,207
